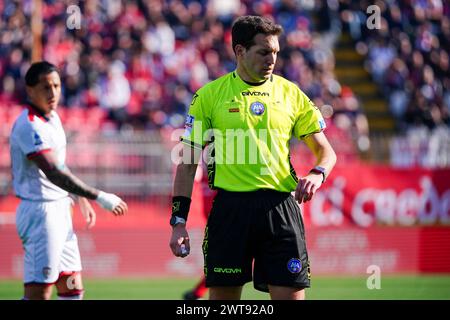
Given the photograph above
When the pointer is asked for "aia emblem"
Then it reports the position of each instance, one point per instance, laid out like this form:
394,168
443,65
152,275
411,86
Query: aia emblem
294,265
257,108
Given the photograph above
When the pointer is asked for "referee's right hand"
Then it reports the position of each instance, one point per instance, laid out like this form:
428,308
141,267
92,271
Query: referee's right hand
179,241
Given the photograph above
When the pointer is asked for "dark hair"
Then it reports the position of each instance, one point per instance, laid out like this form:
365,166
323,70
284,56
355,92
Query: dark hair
36,69
245,29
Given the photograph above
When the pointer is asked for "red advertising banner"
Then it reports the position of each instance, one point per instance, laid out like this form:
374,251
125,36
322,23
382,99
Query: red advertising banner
364,215
368,195
356,194
337,251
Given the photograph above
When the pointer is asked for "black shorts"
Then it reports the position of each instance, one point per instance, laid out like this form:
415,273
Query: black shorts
264,227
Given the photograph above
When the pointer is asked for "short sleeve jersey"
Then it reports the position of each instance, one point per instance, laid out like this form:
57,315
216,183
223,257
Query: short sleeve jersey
31,135
250,126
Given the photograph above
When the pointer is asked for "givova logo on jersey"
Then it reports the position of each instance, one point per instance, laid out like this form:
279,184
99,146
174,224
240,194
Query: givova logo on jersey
255,93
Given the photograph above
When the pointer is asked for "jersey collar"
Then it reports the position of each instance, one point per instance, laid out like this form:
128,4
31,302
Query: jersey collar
236,76
34,112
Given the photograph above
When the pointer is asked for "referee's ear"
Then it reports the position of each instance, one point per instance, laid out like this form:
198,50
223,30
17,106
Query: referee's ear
239,50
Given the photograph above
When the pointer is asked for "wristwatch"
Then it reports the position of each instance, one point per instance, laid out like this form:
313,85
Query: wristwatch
174,220
321,170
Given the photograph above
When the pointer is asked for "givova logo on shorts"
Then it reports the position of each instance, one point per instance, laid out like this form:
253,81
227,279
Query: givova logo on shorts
227,270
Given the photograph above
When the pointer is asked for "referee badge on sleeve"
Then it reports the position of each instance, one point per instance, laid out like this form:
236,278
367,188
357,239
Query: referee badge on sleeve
188,125
189,121
322,124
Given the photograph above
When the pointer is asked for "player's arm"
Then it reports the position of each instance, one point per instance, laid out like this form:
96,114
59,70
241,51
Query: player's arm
64,179
325,161
182,192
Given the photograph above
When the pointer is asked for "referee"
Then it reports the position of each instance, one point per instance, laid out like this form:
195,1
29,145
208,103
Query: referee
255,228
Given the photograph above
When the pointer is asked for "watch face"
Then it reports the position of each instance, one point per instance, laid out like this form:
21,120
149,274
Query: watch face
173,220
319,168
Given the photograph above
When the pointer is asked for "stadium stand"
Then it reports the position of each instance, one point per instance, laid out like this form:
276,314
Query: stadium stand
139,63
407,58
135,65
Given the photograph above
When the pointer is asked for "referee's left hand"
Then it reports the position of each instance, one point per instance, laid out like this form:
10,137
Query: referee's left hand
307,187
179,241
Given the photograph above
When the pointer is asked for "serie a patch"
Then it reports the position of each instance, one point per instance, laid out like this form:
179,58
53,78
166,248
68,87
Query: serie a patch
37,139
188,125
322,124
189,120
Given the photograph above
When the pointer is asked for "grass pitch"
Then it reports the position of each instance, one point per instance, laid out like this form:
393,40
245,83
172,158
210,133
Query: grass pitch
435,287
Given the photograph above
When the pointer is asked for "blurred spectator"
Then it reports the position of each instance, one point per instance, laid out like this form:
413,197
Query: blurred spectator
115,93
408,57
143,60
349,117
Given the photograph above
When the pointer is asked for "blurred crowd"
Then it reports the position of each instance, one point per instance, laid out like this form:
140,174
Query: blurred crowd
408,56
141,61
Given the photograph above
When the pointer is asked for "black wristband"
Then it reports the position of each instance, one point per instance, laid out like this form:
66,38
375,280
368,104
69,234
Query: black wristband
181,206
321,170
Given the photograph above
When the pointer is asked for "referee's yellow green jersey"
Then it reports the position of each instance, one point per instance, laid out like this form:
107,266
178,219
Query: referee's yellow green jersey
251,126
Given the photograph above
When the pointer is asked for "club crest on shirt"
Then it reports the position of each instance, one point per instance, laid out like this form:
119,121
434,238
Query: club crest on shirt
46,271
294,265
257,108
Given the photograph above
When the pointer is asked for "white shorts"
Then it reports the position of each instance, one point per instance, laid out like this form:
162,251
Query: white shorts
50,244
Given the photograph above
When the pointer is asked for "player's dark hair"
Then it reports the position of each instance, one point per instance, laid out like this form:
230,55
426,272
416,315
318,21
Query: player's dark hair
36,69
245,29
